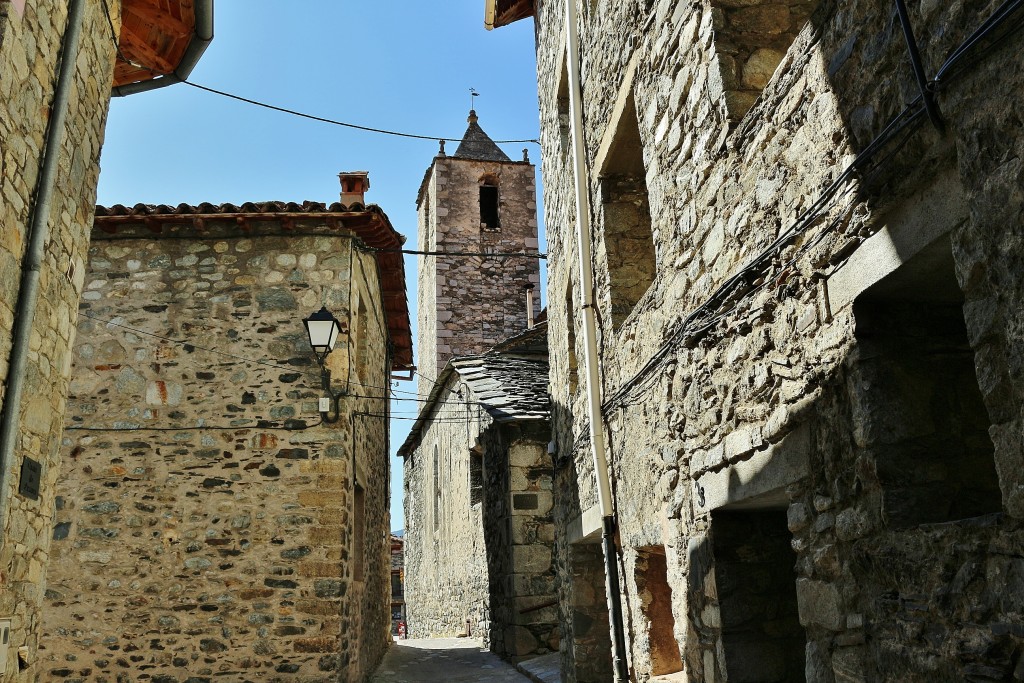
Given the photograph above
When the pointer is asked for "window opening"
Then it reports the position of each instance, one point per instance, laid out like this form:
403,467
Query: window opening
751,39
358,534
629,242
656,605
570,327
756,583
476,476
363,343
923,416
437,491
564,109
489,218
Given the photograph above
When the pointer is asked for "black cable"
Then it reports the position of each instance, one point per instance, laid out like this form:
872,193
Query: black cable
119,237
865,165
212,428
524,254
190,345
333,122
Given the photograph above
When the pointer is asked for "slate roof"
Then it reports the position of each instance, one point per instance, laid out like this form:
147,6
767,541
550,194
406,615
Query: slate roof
509,389
512,386
369,223
477,145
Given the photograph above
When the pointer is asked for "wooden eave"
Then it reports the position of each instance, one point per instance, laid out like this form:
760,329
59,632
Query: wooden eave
510,11
154,35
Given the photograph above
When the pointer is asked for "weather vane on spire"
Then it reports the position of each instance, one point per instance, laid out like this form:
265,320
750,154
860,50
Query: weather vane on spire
473,94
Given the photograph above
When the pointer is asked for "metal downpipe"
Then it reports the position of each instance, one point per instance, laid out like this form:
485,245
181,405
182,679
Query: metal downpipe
584,238
39,235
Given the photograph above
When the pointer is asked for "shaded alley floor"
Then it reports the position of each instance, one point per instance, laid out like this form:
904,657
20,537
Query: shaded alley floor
444,660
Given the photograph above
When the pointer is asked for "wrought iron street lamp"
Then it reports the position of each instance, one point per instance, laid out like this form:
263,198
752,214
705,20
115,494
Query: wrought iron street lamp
323,330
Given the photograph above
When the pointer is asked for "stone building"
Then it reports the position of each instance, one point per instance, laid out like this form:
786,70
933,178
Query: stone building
58,67
477,505
478,201
211,522
478,502
807,293
397,585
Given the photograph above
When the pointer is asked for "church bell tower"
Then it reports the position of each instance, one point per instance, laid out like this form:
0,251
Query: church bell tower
476,201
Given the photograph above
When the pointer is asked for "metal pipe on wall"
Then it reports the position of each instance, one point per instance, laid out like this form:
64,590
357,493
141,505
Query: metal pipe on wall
38,237
584,238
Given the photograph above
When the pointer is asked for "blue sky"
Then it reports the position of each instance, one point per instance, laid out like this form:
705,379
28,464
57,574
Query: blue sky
401,64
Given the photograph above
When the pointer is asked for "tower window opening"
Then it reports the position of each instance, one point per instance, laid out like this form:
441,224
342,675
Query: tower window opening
489,207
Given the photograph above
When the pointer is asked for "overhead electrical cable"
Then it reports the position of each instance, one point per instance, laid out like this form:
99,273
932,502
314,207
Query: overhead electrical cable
333,122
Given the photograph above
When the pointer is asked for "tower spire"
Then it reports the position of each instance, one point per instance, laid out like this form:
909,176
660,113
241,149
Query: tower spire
477,145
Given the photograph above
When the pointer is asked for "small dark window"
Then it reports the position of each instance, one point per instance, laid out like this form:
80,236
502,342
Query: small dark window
437,491
476,476
358,534
489,207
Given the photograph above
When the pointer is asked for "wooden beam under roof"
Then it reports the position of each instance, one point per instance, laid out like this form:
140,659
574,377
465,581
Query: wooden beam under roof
154,34
510,11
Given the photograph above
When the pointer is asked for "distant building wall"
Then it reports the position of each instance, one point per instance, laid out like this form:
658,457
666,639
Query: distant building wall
29,50
446,580
479,529
207,524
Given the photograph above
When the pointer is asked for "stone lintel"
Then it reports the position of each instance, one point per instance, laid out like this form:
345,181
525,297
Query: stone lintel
759,481
586,528
912,226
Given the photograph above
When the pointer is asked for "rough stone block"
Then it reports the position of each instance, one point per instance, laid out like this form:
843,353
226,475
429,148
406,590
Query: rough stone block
819,604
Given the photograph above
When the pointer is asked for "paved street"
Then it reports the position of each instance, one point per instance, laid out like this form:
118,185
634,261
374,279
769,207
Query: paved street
444,660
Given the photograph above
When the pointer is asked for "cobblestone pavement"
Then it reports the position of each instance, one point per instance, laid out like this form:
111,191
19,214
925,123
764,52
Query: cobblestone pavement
444,660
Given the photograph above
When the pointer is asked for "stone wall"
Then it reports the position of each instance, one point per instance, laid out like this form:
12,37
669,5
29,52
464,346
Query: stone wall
208,524
29,50
484,560
768,406
446,579
469,304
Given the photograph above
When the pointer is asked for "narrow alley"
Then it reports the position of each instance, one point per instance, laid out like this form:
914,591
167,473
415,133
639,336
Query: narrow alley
444,660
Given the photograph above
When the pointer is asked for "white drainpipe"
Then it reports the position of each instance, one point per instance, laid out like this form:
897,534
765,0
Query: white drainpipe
590,356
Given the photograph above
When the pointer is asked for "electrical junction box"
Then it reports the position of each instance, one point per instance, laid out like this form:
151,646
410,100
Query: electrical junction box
5,643
325,405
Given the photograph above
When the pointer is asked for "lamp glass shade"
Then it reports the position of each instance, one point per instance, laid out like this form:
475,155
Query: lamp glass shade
323,329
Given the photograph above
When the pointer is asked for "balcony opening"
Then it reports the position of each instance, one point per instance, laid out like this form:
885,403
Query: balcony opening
917,405
756,582
437,491
656,604
626,211
589,628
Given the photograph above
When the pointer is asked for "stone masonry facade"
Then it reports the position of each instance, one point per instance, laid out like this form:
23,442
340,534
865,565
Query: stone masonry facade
477,475
813,409
29,53
479,528
208,525
469,304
